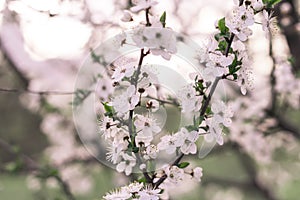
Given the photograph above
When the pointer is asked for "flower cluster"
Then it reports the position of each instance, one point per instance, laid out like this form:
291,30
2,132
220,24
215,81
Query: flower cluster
132,134
134,191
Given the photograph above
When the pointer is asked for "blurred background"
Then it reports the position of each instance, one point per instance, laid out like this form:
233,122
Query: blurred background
42,46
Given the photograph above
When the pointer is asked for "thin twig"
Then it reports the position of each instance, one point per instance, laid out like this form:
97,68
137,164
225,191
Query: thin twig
13,90
174,103
211,92
147,17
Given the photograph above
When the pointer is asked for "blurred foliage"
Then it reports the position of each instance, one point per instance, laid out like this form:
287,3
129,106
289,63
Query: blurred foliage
18,125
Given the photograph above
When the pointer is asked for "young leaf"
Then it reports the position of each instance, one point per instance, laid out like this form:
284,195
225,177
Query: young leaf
163,19
183,165
142,180
273,2
109,110
222,27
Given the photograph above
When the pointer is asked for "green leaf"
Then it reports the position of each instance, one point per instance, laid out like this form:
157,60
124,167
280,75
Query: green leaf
218,36
183,165
235,65
109,110
163,19
222,45
142,180
235,76
132,148
222,26
201,118
191,128
273,2
208,110
135,149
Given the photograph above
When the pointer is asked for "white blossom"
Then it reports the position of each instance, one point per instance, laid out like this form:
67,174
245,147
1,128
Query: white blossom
244,15
215,131
268,22
211,72
152,105
174,174
245,76
189,101
160,41
197,173
133,187
127,17
126,164
147,80
146,127
126,101
168,143
123,71
117,195
222,113
104,89
189,140
255,4
142,5
108,127
115,150
151,152
149,193
240,20
221,60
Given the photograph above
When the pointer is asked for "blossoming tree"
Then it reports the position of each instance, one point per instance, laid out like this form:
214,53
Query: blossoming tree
132,98
132,134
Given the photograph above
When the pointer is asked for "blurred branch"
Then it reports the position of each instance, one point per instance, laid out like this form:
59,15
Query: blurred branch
273,110
65,187
284,124
35,92
32,165
272,75
288,20
24,80
250,166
